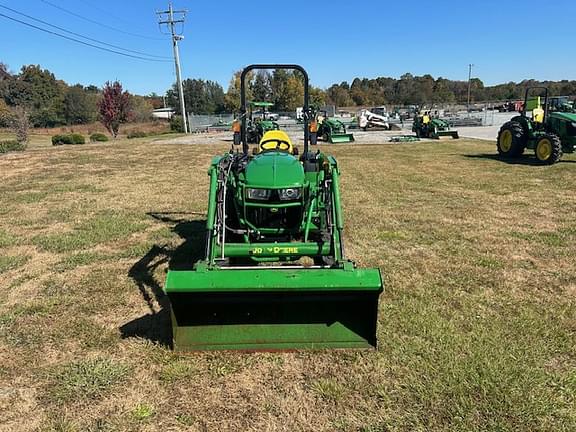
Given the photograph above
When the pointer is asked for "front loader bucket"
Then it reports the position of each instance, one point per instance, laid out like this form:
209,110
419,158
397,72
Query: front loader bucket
453,134
341,138
273,309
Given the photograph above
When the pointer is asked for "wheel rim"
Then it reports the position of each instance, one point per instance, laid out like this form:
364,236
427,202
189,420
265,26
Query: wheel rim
506,141
544,149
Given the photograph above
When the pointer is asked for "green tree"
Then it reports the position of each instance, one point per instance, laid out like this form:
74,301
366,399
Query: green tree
262,86
339,95
141,109
5,114
202,97
44,96
317,96
442,92
232,96
80,106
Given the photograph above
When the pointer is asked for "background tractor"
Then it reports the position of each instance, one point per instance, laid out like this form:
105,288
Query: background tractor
332,130
275,275
547,126
427,126
259,122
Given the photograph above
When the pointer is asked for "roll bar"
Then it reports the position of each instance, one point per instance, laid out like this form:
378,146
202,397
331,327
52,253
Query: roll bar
244,102
545,99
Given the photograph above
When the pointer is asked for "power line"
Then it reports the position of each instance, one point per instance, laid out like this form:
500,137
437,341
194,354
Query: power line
79,41
82,36
97,22
107,12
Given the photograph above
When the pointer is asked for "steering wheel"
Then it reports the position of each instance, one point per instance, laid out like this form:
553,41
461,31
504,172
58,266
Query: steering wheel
275,145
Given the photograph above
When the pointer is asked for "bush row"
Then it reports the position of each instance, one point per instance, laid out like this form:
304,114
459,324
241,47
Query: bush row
68,139
11,145
98,137
137,134
141,134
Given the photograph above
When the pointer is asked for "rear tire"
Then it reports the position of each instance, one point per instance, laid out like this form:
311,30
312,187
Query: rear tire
511,140
548,149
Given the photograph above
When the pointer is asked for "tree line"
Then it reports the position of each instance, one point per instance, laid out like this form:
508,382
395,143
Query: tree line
285,90
51,102
425,90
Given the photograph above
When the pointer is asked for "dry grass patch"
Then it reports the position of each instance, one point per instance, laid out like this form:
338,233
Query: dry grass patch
476,326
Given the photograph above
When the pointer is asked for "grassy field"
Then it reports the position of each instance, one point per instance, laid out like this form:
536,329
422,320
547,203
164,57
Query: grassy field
477,325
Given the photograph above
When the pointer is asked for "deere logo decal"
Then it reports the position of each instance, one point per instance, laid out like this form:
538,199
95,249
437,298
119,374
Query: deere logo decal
275,250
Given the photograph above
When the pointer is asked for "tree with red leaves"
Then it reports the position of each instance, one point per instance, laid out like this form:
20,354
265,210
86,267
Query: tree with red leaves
114,107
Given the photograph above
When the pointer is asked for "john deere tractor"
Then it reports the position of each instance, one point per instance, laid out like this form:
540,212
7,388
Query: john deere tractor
259,122
546,126
275,275
332,130
427,126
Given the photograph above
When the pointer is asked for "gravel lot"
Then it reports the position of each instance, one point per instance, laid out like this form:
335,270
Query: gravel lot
360,137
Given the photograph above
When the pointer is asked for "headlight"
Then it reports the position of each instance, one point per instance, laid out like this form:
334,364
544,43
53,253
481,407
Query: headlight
290,194
258,194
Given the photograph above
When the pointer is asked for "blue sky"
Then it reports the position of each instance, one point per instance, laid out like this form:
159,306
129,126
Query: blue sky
335,41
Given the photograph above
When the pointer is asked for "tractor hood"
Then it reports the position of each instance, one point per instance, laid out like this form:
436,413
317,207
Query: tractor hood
571,117
333,121
274,169
267,124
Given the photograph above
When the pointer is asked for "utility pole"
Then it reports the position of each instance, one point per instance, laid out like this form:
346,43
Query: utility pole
167,17
469,84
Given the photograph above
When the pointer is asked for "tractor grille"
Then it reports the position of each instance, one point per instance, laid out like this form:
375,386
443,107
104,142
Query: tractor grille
288,218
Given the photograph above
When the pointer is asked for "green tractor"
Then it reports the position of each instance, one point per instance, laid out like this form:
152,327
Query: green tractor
549,130
259,122
275,275
426,126
332,130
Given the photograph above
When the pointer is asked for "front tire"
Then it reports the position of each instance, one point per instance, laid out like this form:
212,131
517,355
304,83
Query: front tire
548,149
511,140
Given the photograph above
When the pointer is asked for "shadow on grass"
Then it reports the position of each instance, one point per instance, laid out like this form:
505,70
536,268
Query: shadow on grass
156,325
522,160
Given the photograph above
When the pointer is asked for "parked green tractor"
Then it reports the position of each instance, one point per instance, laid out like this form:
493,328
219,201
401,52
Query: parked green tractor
332,130
259,122
427,126
275,275
549,129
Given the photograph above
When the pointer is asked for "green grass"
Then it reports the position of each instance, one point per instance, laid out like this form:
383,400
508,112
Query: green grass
142,412
70,262
328,389
103,228
7,239
178,370
30,197
87,379
476,326
12,262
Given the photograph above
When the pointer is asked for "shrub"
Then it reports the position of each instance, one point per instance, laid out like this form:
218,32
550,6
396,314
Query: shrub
68,139
61,139
137,134
176,124
78,139
98,137
11,145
